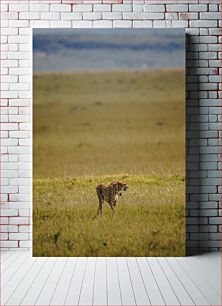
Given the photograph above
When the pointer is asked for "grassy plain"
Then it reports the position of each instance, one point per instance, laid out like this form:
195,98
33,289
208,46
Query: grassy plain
94,127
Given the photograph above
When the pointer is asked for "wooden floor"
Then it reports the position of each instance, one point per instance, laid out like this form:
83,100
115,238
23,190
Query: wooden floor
27,280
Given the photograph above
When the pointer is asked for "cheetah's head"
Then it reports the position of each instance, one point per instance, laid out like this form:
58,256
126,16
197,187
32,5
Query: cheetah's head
121,186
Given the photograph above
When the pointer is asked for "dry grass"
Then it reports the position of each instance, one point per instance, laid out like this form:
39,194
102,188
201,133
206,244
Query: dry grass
92,127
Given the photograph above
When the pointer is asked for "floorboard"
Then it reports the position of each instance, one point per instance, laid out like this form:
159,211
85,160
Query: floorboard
110,281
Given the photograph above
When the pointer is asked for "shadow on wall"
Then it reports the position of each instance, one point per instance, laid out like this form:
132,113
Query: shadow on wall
197,227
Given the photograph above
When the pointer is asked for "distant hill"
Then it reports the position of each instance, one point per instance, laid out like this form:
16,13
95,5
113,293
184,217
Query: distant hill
101,49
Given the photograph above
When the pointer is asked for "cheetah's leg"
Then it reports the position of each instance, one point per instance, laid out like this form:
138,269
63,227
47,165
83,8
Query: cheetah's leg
100,208
112,206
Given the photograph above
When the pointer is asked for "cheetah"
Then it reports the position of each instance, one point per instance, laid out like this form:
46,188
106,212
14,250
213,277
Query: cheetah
110,194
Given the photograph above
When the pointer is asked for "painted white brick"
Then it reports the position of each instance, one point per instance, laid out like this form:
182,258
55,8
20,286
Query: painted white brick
3,220
13,110
102,7
38,24
13,158
18,39
137,8
122,23
138,23
20,71
18,23
24,229
9,63
39,7
19,150
4,236
171,16
19,118
60,8
50,16
213,7
154,8
18,7
71,16
19,197
8,228
112,15
203,23
147,24
102,24
9,142
24,212
121,7
9,126
25,244
19,102
215,63
208,15
82,24
19,86
25,173
60,24
197,7
138,15
4,7
9,212
9,94
18,236
13,47
8,244
4,118
92,15
82,8
9,78
9,31
29,15
179,23
177,8
9,173
24,126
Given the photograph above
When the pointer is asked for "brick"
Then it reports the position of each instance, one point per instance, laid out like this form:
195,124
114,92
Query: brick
29,15
179,23
70,16
9,212
9,126
18,236
177,8
121,7
207,15
92,15
112,15
122,23
197,7
102,24
19,220
60,24
25,244
102,7
203,23
19,7
171,16
37,7
39,24
137,8
53,15
82,8
9,244
138,15
154,8
60,8
82,24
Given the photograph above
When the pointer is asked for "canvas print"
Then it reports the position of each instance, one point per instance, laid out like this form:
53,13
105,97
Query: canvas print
108,142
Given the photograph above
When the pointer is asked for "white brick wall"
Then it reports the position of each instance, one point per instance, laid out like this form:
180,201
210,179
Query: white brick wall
201,18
